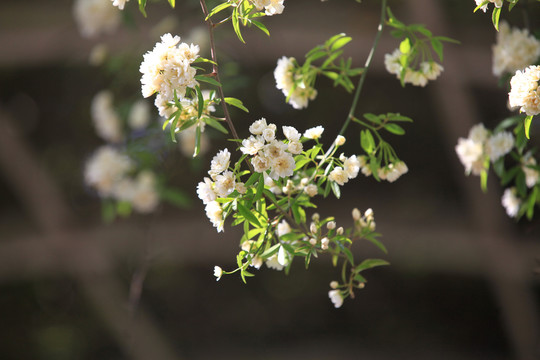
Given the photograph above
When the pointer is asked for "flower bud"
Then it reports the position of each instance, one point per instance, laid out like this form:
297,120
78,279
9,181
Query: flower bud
218,272
313,241
315,217
331,225
340,140
324,243
339,230
334,284
313,228
356,214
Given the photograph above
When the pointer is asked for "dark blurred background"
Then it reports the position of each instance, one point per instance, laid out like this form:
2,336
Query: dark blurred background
464,281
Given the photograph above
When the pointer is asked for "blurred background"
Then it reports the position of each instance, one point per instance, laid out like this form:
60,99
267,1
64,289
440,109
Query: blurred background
464,278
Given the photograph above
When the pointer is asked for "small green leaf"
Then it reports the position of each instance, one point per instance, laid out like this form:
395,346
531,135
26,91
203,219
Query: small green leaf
236,103
248,215
173,3
437,47
215,124
370,263
495,15
394,129
261,26
236,24
218,8
207,79
335,189
200,102
527,125
531,203
197,141
142,6
341,42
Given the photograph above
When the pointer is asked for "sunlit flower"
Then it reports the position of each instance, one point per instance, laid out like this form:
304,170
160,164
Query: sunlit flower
336,298
120,3
499,145
282,166
338,175
314,133
515,49
214,212
220,162
525,92
218,272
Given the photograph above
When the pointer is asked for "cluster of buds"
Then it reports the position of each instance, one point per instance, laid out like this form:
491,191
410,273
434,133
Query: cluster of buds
363,222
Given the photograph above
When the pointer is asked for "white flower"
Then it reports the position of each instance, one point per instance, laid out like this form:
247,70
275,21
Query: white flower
224,184
282,166
298,94
291,134
478,133
416,78
269,133
392,173
95,17
295,147
120,3
497,3
331,225
260,163
256,262
468,152
531,175
272,7
351,167
273,263
283,228
220,162
356,214
324,243
336,298
214,212
283,256
431,69
167,70
205,191
252,145
391,62
240,187
515,50
401,167
314,133
145,196
139,115
311,190
105,169
274,149
511,202
258,127
499,145
524,90
105,119
338,175
218,272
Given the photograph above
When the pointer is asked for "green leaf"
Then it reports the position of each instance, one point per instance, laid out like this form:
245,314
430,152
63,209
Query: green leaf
236,103
531,202
204,60
394,129
509,175
270,251
236,24
173,3
207,79
200,102
437,47
370,263
215,124
339,43
371,238
218,8
495,15
260,188
261,26
527,125
366,141
521,185
142,6
254,177
248,215
197,141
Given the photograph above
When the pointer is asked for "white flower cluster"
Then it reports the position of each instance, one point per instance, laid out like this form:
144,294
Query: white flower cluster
298,94
270,153
511,202
349,170
525,90
472,151
367,221
108,172
497,3
95,17
167,69
428,70
222,183
271,7
515,50
390,172
105,119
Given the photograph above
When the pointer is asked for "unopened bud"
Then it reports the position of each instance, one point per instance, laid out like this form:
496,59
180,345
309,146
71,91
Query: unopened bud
331,225
324,243
313,241
356,214
315,217
339,230
334,284
340,140
313,228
